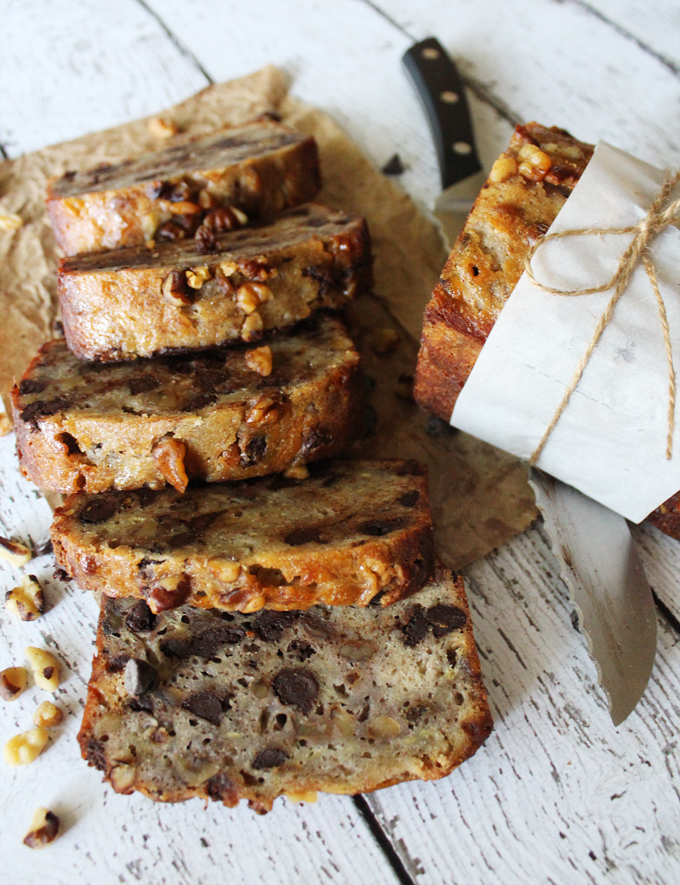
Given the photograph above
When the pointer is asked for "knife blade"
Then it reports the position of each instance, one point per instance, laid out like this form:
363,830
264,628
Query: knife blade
442,93
598,557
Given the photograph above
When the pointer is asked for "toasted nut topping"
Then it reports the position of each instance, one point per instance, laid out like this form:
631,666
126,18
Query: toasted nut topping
225,570
264,412
162,128
184,207
535,162
384,727
251,295
27,600
502,169
196,276
297,472
14,552
251,328
385,341
22,749
169,454
260,360
43,830
10,221
12,682
47,715
175,289
122,777
45,667
5,424
304,796
228,268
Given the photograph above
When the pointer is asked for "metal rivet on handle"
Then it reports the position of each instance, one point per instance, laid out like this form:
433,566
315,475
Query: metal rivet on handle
430,53
449,97
462,148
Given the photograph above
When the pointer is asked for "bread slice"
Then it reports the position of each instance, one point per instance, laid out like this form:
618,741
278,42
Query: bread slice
213,415
141,302
514,209
343,535
191,703
258,169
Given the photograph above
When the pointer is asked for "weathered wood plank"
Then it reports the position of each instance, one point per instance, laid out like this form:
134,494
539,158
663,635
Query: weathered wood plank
112,838
657,28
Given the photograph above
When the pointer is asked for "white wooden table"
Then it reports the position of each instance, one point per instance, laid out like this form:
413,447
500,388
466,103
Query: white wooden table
557,794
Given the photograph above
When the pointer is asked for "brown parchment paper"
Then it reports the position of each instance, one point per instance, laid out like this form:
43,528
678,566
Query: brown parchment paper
480,496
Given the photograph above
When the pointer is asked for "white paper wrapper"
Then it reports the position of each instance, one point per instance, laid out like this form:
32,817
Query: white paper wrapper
610,442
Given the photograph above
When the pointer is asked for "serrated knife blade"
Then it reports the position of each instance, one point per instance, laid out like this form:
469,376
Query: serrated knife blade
599,561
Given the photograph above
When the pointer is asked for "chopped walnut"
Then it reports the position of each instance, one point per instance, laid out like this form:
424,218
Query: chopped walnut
14,552
225,570
12,682
502,169
24,748
196,276
266,410
162,128
252,327
251,295
47,715
43,830
169,454
535,163
10,221
45,667
260,360
184,207
26,601
175,290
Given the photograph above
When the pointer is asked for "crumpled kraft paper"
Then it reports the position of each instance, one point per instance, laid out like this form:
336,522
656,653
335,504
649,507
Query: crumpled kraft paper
480,496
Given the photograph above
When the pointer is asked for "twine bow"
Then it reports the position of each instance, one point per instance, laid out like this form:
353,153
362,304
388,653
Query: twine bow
662,213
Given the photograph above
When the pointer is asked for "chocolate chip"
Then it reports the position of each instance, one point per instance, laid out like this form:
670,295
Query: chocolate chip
445,618
30,385
380,527
140,705
221,789
96,754
393,166
140,677
409,499
270,757
140,618
298,687
414,713
415,629
313,440
205,705
181,192
253,451
99,509
159,190
60,574
303,535
271,625
43,408
44,547
117,663
320,275
200,402
142,384
302,649
205,645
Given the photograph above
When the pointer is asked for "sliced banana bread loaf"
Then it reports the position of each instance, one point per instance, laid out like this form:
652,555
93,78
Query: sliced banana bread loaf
140,302
258,169
340,699
526,188
227,413
347,532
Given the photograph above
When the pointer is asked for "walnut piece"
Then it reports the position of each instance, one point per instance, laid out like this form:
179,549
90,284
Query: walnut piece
43,830
250,296
159,127
47,715
175,289
252,327
26,601
169,454
24,748
45,667
14,552
12,682
196,276
260,360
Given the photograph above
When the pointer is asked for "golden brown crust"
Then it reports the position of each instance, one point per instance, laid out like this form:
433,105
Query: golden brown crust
93,426
487,260
362,730
349,532
261,169
136,302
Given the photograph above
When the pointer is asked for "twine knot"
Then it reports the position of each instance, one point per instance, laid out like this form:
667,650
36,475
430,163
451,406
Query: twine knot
662,212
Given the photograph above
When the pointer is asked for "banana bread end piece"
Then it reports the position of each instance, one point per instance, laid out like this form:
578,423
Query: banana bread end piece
344,700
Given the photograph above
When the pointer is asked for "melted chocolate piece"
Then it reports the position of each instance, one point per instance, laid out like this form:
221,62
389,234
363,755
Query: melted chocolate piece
271,625
270,757
380,527
206,705
410,499
303,535
140,677
445,618
415,630
302,649
205,645
99,509
298,687
140,618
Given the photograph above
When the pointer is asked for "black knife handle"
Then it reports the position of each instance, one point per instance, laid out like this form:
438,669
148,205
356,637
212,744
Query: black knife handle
443,95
